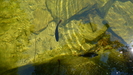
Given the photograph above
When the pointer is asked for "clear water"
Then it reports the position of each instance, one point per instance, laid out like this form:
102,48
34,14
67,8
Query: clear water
95,37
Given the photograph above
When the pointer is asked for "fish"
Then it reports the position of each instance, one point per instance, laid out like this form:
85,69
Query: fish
91,55
57,32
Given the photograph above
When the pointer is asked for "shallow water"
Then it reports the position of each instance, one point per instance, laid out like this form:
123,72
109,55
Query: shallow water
95,37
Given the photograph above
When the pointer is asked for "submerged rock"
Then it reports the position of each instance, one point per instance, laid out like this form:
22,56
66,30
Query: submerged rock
75,65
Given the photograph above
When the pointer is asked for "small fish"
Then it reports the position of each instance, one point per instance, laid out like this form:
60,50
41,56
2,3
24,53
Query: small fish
56,31
89,55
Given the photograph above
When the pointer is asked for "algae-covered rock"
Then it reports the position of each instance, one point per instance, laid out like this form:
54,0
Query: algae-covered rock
123,24
75,10
41,20
14,34
66,9
69,65
89,34
74,65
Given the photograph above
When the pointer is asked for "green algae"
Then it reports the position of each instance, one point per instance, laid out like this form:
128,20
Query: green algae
14,34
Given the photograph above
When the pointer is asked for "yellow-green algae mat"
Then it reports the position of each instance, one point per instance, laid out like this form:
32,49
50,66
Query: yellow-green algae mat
14,33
